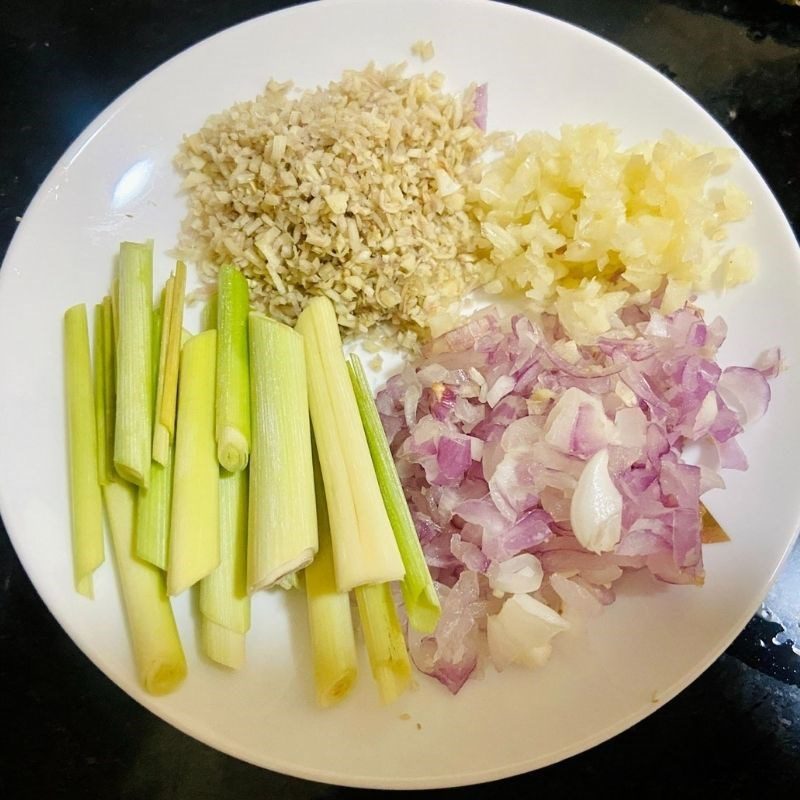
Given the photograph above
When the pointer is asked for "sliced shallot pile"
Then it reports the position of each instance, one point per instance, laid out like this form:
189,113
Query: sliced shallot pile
537,470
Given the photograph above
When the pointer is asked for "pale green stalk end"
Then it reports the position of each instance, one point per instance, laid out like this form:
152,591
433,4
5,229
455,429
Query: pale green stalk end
386,646
134,415
233,370
158,654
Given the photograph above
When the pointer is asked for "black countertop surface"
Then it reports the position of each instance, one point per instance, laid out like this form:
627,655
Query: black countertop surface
69,731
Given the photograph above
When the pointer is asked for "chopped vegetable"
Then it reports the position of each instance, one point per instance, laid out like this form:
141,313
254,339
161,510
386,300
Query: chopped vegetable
533,463
194,549
386,647
233,390
85,500
168,376
221,644
104,466
161,435
330,622
364,547
153,504
419,594
282,527
160,662
109,368
134,414
223,593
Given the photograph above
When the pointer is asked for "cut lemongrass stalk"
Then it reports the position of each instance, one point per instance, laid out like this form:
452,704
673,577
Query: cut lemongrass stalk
109,385
208,316
154,509
386,647
223,593
84,488
233,384
157,651
194,534
169,393
153,504
134,419
282,531
330,622
161,437
221,644
103,466
364,548
419,594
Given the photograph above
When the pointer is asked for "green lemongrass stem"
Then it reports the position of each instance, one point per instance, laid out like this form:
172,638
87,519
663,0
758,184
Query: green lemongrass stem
153,504
330,622
208,316
84,488
134,418
109,385
157,650
233,370
419,593
161,437
169,394
223,593
103,465
194,536
364,547
282,531
221,644
154,512
386,646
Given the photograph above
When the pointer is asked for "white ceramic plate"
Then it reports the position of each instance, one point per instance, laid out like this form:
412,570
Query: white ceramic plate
117,182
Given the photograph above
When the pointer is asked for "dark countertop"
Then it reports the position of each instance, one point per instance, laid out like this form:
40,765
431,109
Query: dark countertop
69,730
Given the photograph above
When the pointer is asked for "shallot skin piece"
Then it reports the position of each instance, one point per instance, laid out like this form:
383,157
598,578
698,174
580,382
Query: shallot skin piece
515,444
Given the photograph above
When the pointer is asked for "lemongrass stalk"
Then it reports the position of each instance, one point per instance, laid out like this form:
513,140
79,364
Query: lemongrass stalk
282,531
154,511
364,548
157,650
153,504
419,594
134,419
221,644
161,437
223,593
85,500
169,392
233,384
194,535
330,622
103,465
109,385
208,316
386,646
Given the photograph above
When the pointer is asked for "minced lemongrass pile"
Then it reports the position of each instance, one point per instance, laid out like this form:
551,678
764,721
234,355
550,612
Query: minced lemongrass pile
355,192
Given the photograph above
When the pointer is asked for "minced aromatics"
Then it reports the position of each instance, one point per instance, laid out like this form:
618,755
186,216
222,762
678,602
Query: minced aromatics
355,191
538,470
584,227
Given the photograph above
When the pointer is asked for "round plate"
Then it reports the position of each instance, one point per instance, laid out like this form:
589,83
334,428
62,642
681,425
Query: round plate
117,182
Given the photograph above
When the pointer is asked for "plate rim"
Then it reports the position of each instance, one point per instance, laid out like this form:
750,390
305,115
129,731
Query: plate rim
209,738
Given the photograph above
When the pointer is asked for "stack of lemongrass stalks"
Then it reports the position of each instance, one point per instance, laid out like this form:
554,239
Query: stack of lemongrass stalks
201,449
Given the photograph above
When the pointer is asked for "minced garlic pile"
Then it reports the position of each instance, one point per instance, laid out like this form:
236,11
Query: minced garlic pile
355,191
